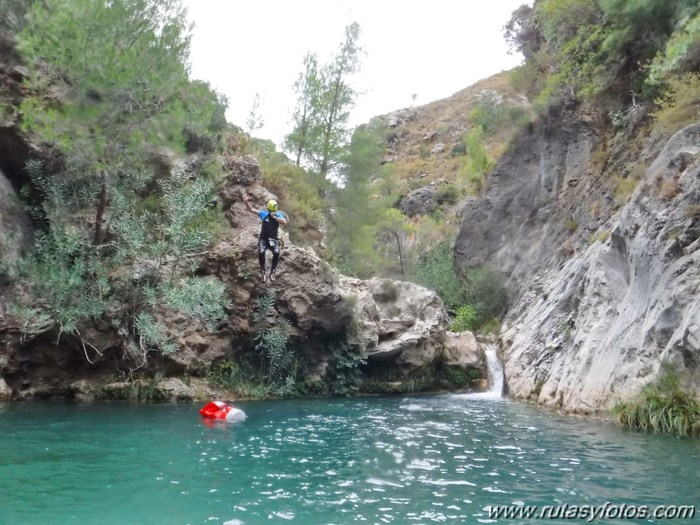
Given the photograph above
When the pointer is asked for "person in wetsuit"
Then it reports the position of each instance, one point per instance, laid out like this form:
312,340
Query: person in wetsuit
271,219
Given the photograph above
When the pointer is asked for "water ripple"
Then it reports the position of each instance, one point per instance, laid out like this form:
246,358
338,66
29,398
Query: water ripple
443,459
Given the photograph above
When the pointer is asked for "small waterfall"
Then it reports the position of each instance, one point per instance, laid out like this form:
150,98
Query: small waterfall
495,372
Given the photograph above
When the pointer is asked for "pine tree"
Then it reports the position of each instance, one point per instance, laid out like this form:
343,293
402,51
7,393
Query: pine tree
321,134
307,89
353,234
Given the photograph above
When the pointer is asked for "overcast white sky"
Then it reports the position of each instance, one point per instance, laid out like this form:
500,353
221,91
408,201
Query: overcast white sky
430,49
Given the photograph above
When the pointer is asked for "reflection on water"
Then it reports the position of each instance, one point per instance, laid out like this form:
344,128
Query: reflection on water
439,459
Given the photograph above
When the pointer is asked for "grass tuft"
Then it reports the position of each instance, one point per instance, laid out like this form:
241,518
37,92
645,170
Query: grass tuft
662,407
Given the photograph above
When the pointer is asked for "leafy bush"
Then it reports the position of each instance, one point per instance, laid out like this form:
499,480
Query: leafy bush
481,288
662,407
433,267
491,326
240,378
447,194
201,299
71,278
465,319
485,290
681,54
271,340
487,113
344,375
110,227
459,377
571,224
477,163
599,49
680,104
458,149
152,335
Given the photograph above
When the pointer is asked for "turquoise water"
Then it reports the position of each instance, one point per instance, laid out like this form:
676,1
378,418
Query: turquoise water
438,459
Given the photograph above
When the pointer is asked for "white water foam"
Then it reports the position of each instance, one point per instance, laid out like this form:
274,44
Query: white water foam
495,369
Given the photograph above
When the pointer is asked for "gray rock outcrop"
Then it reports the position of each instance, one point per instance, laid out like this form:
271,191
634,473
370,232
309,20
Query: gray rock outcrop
462,349
590,324
15,226
420,201
389,319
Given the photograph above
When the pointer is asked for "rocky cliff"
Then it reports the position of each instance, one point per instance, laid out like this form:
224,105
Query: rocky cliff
396,328
602,291
393,325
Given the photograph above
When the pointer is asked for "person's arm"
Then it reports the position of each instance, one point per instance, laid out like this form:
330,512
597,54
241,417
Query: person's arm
279,218
248,206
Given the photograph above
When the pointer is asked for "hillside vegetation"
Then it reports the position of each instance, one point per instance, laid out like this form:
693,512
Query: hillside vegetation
629,68
129,154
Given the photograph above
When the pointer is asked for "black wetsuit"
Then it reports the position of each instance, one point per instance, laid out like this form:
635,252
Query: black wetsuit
268,239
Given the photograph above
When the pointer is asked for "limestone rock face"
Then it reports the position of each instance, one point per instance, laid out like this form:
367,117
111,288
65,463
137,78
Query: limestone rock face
591,326
15,226
174,389
517,226
5,390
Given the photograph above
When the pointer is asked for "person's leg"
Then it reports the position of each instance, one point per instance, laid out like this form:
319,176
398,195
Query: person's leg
262,248
275,259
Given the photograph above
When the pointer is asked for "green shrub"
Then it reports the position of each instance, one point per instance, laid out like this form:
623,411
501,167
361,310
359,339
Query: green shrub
433,268
681,54
680,104
486,292
212,223
692,211
345,374
201,299
458,149
481,288
487,113
459,377
271,341
239,378
477,164
662,407
152,335
571,225
448,194
491,326
465,319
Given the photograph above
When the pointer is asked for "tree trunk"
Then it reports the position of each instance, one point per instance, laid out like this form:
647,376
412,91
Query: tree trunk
101,207
398,247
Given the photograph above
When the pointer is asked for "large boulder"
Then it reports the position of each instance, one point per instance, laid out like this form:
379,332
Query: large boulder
388,319
398,320
419,201
463,350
